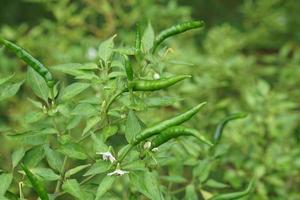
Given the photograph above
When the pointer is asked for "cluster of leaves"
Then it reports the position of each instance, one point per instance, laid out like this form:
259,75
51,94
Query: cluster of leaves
61,138
247,60
253,68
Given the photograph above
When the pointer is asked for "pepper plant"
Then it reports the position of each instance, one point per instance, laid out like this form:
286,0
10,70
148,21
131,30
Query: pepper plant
97,145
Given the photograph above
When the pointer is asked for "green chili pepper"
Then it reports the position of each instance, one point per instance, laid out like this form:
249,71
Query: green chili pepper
128,69
221,125
31,61
152,85
174,30
235,195
138,38
36,184
156,129
176,131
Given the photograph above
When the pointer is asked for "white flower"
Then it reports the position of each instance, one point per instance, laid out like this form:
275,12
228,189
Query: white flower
107,156
118,172
156,76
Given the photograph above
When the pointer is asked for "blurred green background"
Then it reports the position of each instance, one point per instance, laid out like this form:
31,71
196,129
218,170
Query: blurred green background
246,59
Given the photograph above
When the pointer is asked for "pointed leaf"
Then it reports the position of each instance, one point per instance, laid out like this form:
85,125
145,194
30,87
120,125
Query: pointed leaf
104,186
75,170
5,79
9,90
148,38
16,156
74,89
46,173
105,49
54,159
72,187
73,150
133,126
5,180
38,84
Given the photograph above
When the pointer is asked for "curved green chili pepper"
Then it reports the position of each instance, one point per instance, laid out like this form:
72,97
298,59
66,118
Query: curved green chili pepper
138,38
235,195
31,61
174,30
152,85
147,85
221,125
37,185
128,69
156,129
174,132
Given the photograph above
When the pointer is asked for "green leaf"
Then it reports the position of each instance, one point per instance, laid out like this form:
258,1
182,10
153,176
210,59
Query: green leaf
5,79
215,184
91,122
73,122
76,69
36,184
33,137
84,109
108,132
16,156
190,192
137,165
38,84
33,116
46,173
9,90
104,186
73,150
54,159
99,167
148,38
146,183
76,170
105,49
34,156
5,181
133,126
35,103
99,145
74,89
72,187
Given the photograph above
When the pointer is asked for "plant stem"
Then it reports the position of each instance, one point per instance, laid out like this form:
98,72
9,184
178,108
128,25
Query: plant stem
62,171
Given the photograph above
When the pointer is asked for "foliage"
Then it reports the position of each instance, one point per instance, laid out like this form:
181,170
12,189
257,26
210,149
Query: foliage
245,59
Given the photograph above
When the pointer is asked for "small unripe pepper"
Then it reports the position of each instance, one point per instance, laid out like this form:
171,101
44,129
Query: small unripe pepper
31,61
174,132
174,30
222,124
152,85
158,128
